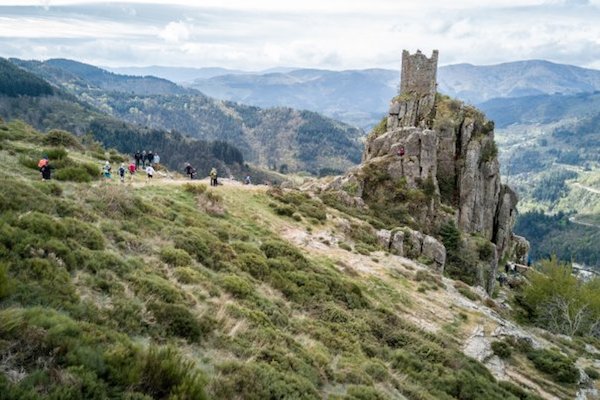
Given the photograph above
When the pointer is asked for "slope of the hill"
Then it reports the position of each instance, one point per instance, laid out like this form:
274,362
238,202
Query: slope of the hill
174,290
296,140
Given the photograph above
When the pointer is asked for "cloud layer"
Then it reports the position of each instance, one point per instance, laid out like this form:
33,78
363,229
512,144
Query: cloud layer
322,34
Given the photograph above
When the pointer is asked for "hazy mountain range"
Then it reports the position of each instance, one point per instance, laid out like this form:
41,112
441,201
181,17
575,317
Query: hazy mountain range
361,97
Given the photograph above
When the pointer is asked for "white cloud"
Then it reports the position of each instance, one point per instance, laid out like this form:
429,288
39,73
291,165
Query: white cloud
311,33
175,32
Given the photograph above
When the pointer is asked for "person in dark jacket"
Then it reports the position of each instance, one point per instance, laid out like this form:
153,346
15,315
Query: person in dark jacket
189,170
150,158
143,159
137,157
46,171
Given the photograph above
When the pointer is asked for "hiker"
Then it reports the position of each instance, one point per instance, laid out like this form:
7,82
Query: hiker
122,173
248,181
150,157
46,171
149,173
156,161
189,170
213,177
143,159
132,168
502,279
137,156
106,171
41,164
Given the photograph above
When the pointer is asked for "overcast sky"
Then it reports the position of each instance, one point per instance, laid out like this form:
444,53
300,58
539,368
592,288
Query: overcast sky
335,34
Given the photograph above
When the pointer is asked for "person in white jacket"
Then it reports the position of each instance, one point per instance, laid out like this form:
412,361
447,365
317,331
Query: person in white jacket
149,173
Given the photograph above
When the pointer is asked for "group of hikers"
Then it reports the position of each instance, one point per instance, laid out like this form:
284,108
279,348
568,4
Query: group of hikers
143,158
149,162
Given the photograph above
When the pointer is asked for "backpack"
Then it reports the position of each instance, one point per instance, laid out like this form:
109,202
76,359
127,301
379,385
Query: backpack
43,162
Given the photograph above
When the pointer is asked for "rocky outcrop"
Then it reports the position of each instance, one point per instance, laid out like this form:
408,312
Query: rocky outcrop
413,244
438,157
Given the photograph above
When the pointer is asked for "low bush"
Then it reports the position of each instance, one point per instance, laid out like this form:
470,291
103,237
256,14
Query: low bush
560,367
4,282
195,188
592,373
501,349
84,233
176,320
259,380
255,264
237,286
57,153
73,174
175,257
166,374
57,137
154,286
187,275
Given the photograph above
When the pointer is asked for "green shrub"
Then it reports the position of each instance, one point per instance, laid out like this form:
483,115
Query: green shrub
283,210
187,275
166,374
202,245
4,282
175,257
28,162
489,151
51,188
517,391
42,224
195,188
55,154
592,373
254,264
177,320
361,392
560,367
155,286
237,286
259,380
73,174
96,261
57,137
501,349
84,233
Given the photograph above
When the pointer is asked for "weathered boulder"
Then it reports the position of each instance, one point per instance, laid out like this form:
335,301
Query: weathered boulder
435,251
397,243
384,238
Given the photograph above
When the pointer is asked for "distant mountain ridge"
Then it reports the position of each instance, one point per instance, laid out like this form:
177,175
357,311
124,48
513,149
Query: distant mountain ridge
279,137
357,96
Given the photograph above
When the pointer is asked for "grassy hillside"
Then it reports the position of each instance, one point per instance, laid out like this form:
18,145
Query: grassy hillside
300,140
173,290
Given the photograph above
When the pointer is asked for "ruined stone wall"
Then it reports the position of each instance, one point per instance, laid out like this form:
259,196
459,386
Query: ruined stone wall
419,74
415,106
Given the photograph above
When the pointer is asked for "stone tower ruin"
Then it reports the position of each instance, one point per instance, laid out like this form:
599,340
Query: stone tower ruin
415,105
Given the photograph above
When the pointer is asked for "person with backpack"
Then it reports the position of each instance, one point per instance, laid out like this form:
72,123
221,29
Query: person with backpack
122,173
132,168
106,171
45,169
149,173
136,157
150,157
143,158
189,170
213,177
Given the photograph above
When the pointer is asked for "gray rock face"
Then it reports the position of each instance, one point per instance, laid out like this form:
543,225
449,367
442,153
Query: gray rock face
384,237
414,244
397,243
434,250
